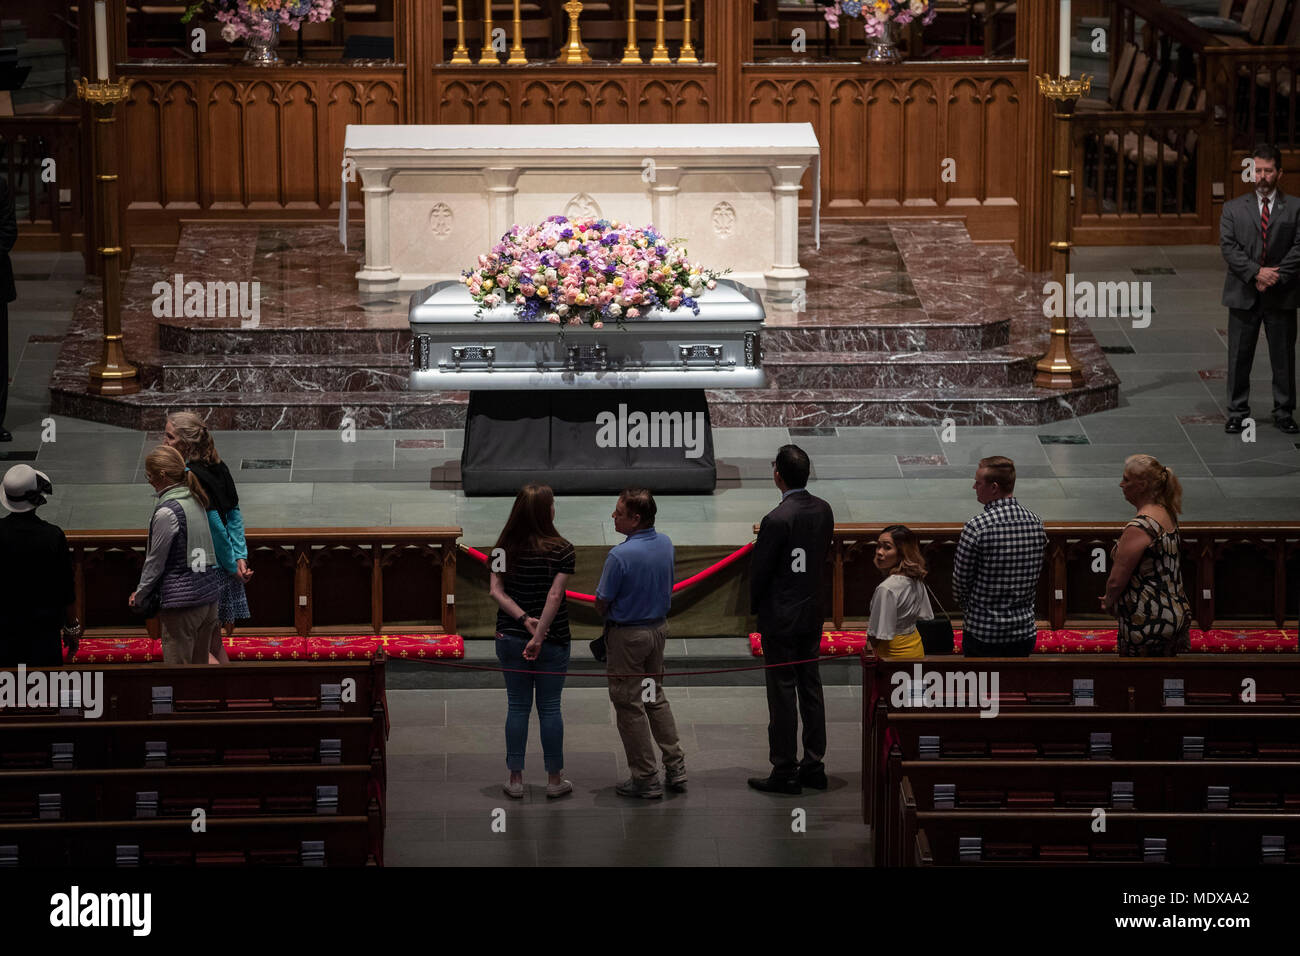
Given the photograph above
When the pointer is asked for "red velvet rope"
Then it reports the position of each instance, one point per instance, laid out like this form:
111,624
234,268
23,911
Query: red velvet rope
708,572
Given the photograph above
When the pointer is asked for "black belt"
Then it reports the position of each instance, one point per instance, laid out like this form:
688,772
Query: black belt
653,623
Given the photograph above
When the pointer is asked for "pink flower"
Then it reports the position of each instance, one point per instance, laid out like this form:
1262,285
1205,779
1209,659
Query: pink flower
598,324
633,313
519,300
674,302
677,290
528,289
638,278
503,280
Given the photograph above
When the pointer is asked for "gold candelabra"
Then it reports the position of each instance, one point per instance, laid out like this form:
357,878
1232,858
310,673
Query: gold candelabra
113,375
630,52
575,52
517,57
460,55
487,53
660,53
687,53
1058,368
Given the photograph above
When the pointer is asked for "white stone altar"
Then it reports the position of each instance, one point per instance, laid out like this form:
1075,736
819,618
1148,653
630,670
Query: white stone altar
436,197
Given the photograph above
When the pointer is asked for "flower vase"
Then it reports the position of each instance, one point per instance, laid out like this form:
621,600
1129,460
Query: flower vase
884,48
261,50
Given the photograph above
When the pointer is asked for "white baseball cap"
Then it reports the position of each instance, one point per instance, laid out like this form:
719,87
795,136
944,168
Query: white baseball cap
25,488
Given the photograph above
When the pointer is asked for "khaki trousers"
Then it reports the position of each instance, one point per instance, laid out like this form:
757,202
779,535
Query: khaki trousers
188,633
641,710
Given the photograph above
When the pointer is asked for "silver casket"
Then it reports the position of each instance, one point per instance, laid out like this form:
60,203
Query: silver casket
454,351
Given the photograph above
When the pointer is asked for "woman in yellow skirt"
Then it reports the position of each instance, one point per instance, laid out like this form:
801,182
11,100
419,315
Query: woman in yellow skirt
901,599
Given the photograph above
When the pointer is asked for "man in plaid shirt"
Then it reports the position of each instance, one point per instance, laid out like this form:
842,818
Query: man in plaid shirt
995,573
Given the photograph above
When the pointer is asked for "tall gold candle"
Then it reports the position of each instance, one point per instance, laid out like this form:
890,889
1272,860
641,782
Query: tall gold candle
687,53
660,53
487,52
630,52
517,57
460,55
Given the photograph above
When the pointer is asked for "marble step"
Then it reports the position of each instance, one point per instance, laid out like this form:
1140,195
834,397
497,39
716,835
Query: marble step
352,372
907,332
1008,405
215,339
940,370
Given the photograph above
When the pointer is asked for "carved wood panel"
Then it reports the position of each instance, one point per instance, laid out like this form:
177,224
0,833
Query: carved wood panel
238,140
465,96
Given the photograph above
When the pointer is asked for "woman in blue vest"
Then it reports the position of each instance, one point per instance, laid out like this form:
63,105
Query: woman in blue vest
179,562
189,435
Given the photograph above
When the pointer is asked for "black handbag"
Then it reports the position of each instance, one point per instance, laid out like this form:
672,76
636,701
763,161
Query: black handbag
936,633
598,646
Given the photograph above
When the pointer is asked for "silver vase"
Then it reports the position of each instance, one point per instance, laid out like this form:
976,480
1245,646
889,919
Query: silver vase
261,52
884,48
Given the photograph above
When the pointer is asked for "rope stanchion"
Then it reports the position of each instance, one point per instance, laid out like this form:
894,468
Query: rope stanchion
696,578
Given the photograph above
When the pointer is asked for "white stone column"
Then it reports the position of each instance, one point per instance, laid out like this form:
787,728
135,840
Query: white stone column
377,276
785,276
499,184
664,188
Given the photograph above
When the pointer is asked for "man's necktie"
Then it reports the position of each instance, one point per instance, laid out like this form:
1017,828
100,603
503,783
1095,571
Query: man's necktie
1263,225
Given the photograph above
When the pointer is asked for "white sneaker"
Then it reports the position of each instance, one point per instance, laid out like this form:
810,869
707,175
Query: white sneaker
515,790
559,789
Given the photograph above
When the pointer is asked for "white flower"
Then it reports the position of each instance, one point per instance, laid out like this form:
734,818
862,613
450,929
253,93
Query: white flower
516,271
229,33
696,282
918,7
562,309
551,274
615,309
561,248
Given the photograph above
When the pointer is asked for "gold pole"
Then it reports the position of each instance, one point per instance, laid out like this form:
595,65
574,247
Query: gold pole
460,55
1059,368
687,53
630,52
660,52
114,375
517,57
575,52
487,53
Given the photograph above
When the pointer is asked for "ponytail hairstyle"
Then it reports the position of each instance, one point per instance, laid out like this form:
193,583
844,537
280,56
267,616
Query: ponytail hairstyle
908,547
196,440
1161,482
166,462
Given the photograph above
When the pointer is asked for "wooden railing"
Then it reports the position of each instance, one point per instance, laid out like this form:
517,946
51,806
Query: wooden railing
308,581
1255,88
40,158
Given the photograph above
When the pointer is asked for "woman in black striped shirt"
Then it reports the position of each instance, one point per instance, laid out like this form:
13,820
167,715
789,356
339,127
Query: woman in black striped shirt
530,566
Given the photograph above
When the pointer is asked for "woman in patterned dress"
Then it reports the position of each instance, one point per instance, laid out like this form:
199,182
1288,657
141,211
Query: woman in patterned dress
1145,588
188,434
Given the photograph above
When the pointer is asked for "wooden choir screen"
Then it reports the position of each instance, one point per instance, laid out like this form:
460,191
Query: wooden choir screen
219,141
309,581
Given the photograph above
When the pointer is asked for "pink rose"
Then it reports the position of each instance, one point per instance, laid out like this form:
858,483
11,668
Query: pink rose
633,313
519,300
598,324
674,302
570,296
503,280
677,290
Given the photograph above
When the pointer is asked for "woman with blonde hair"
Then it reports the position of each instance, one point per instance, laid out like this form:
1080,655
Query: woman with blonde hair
901,599
1145,587
189,435
178,562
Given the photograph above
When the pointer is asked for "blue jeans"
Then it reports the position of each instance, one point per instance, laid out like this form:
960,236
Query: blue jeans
519,691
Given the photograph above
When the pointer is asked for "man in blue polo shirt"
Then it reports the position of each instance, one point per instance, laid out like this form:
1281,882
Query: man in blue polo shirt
635,590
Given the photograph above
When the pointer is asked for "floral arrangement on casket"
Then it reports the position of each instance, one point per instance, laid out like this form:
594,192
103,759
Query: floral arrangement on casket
587,272
876,13
259,18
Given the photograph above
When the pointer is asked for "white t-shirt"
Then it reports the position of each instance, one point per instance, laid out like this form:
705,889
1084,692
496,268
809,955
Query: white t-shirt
897,604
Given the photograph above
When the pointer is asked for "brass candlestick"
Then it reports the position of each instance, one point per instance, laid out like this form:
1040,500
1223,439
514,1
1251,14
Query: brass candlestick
460,55
517,57
687,53
575,52
630,52
660,53
487,53
114,375
1059,368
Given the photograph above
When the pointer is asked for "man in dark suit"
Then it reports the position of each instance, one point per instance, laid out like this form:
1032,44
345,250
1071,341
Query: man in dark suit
1261,244
8,236
785,592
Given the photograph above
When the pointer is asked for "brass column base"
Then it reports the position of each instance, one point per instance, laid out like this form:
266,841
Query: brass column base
1058,368
114,375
